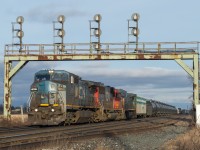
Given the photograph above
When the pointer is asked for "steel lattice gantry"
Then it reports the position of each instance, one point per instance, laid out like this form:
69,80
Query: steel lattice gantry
109,51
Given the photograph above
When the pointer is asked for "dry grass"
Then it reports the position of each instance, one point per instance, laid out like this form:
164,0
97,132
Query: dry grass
187,141
16,120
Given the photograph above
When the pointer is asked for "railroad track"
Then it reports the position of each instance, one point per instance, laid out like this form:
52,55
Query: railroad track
25,136
14,129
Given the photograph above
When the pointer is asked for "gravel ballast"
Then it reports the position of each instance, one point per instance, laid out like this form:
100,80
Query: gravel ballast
147,140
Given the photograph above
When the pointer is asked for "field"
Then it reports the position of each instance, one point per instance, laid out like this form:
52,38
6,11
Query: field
16,120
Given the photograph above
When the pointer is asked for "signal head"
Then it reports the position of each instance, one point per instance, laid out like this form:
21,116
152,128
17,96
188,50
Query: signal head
61,19
20,34
20,19
97,18
135,17
61,33
135,31
97,32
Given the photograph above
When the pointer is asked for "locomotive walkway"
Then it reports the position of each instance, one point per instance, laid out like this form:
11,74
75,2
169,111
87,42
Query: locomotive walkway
28,136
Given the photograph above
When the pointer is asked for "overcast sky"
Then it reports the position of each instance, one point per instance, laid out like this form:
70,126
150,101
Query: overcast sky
164,21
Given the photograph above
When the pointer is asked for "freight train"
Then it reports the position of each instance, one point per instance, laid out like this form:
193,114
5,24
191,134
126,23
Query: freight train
60,97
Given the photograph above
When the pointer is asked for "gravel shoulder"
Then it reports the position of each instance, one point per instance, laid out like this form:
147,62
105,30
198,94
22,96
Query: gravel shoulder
158,139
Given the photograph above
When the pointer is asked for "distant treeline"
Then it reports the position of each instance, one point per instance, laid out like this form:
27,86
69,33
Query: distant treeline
14,109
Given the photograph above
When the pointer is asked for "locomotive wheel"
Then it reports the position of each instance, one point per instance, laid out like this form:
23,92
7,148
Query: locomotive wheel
70,118
98,116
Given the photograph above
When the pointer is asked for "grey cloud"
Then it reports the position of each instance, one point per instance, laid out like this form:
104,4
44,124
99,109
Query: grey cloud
23,79
27,73
157,77
95,65
49,13
159,82
151,72
169,95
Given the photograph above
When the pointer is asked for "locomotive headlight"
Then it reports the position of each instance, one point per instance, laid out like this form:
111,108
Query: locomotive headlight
52,110
34,89
36,110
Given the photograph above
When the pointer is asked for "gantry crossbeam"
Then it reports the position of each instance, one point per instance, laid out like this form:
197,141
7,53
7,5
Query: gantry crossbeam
177,51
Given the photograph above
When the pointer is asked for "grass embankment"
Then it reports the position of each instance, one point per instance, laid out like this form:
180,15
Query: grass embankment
187,141
16,120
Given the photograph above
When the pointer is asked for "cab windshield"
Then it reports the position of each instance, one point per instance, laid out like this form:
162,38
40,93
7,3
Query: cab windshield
42,77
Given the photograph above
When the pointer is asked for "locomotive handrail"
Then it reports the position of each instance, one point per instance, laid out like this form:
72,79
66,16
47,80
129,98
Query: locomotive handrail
28,102
106,48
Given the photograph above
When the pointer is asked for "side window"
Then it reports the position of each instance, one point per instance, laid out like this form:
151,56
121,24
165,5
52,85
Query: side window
81,93
65,77
72,79
107,96
56,76
76,91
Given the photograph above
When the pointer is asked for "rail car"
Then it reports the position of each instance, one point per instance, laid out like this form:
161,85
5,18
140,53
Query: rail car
155,108
60,97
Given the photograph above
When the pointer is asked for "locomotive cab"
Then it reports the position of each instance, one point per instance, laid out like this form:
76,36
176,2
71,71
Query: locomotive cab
47,99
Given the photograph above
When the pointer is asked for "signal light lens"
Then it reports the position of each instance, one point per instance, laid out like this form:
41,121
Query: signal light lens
61,33
97,32
20,34
97,45
61,19
20,19
135,17
135,31
97,18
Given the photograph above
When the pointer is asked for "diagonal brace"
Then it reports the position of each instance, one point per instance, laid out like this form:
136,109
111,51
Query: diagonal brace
185,67
19,66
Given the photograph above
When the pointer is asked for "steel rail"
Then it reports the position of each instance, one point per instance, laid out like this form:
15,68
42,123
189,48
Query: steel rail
97,129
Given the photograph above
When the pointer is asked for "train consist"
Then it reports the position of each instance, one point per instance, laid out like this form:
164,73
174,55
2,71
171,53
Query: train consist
60,97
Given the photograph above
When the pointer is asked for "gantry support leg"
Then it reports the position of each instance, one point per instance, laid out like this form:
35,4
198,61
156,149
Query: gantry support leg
9,73
7,89
196,79
196,88
194,74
